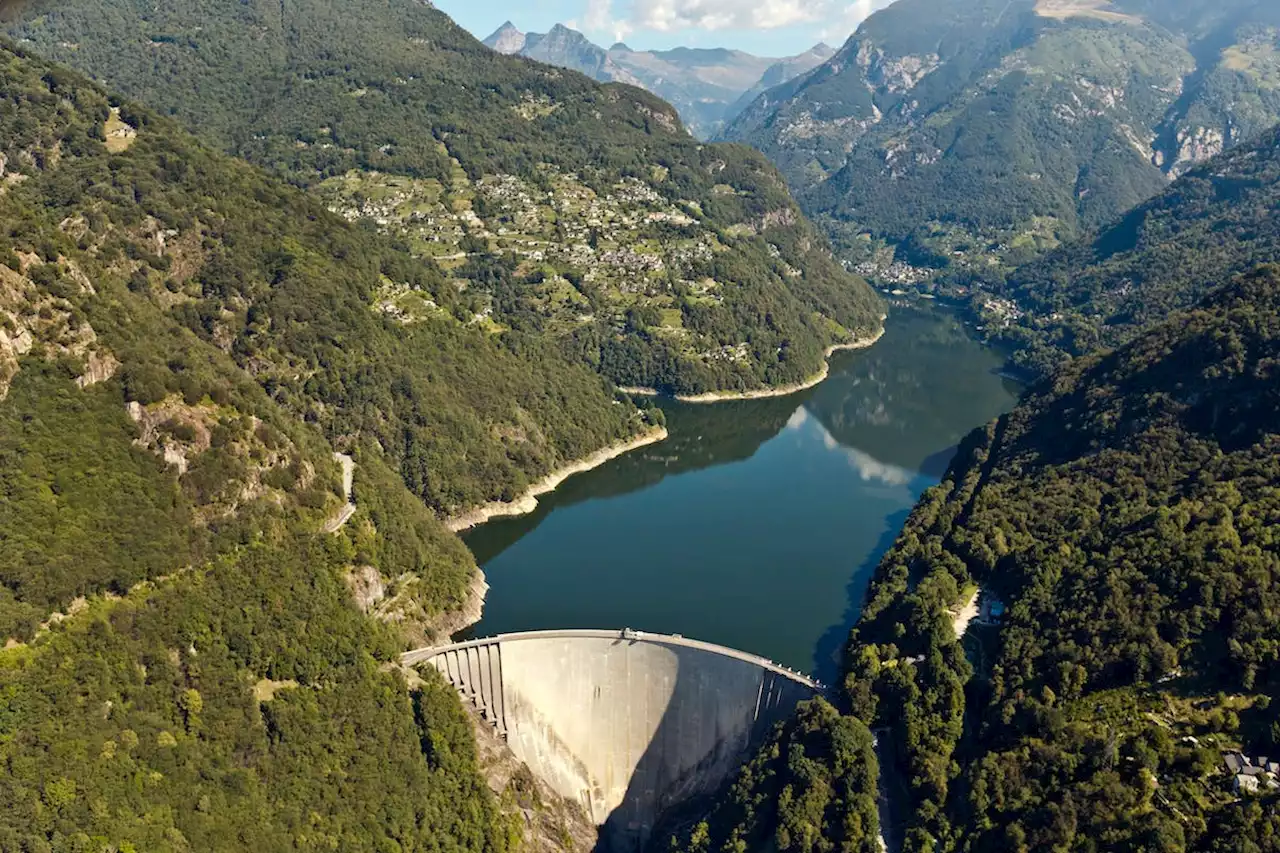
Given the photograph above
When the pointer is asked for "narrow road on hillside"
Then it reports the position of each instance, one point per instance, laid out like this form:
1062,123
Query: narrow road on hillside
343,515
890,835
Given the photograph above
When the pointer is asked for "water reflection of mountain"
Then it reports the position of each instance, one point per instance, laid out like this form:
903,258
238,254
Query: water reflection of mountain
901,401
701,436
869,468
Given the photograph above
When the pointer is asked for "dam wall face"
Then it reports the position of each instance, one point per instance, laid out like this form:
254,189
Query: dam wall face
626,725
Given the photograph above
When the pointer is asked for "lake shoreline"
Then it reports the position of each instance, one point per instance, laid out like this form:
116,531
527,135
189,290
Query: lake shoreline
442,628
743,488
763,393
528,501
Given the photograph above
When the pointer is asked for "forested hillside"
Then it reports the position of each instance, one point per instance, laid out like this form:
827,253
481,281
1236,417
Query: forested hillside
810,788
1126,514
183,667
293,296
1215,222
554,206
977,134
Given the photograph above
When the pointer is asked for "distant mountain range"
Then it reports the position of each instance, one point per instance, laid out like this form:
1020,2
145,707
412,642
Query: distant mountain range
708,87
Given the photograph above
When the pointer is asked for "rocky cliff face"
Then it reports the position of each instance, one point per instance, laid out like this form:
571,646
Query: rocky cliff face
506,39
986,132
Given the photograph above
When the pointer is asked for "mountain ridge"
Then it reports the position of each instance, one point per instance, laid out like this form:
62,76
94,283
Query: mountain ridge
708,86
979,134
556,206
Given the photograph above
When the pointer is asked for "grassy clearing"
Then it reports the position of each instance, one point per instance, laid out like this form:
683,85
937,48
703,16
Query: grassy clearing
120,135
1061,10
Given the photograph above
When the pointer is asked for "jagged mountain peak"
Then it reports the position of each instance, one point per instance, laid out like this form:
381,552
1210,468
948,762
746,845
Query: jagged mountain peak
562,34
707,86
506,39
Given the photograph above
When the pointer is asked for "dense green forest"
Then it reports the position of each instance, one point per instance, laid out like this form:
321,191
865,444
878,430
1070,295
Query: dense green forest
559,207
1126,513
811,788
183,667
241,705
263,273
973,135
1215,222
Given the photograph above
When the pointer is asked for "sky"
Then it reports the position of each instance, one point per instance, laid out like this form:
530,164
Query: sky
762,27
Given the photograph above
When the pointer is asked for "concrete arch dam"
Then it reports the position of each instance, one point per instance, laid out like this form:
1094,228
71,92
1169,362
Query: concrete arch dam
626,723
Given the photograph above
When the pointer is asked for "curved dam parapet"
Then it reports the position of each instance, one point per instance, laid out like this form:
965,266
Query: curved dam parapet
627,723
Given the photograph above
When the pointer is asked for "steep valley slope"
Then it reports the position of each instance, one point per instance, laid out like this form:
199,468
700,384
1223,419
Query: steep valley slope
183,344
974,135
1124,515
553,205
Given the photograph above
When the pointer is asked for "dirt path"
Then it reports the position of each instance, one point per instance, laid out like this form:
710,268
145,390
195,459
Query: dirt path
343,515
966,615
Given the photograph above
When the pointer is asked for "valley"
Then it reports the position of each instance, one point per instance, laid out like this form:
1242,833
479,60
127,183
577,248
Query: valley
755,523
328,332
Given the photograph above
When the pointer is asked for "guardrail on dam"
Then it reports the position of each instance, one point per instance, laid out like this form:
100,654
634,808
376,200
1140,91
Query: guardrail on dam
627,723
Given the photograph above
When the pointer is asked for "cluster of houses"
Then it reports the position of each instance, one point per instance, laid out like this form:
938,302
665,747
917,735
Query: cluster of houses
897,272
1251,775
1000,312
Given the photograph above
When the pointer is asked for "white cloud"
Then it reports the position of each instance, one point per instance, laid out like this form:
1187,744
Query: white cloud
847,20
598,18
841,16
671,15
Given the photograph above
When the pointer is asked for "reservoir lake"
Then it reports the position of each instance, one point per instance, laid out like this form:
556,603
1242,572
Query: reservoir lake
757,524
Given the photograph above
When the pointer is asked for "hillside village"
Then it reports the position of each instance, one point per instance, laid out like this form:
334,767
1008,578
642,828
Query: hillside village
1251,775
620,252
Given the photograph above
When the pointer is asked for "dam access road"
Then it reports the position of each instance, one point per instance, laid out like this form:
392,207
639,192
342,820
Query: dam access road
627,723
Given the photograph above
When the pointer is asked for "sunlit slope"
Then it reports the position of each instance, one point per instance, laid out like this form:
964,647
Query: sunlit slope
555,205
